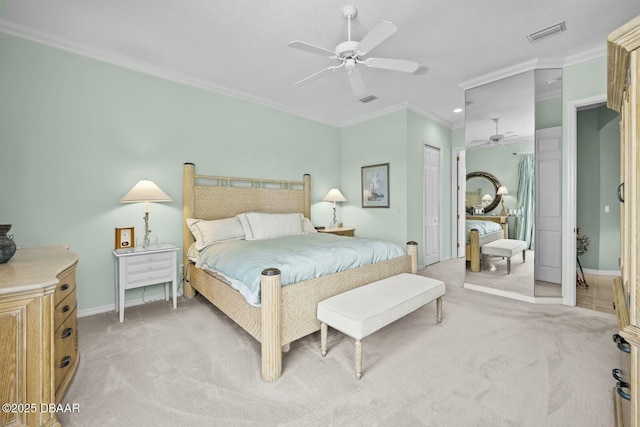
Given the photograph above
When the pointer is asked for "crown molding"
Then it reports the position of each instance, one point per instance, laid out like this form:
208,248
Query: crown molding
536,63
144,67
374,114
587,55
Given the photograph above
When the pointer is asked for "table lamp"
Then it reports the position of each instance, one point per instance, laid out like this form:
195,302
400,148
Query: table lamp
334,195
501,192
486,199
145,191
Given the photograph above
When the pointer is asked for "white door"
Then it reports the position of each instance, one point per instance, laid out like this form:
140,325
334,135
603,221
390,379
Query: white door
431,205
548,221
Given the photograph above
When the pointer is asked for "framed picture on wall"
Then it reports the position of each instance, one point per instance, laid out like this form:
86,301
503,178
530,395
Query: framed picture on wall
375,186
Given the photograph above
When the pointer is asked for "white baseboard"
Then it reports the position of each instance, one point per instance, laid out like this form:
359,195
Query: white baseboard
128,303
602,272
513,295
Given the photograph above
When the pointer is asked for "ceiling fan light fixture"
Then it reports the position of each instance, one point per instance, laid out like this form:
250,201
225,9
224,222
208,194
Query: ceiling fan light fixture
547,32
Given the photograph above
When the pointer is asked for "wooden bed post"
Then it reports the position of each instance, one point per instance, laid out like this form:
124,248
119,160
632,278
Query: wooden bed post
189,209
306,178
474,242
271,324
412,250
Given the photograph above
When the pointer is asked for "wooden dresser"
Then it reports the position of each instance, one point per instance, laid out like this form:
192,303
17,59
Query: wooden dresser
623,95
38,334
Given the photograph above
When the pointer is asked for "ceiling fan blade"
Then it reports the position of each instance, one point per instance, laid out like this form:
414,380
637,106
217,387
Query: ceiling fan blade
314,76
357,84
377,35
392,64
473,147
479,141
308,47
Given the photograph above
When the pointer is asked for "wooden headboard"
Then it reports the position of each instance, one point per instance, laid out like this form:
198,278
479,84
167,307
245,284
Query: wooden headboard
218,197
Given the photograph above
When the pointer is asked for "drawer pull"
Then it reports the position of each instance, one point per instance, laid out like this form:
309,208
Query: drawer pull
617,374
64,287
623,345
65,308
620,190
65,362
67,333
619,386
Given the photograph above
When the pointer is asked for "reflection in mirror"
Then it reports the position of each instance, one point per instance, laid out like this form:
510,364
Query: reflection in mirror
482,193
502,121
502,118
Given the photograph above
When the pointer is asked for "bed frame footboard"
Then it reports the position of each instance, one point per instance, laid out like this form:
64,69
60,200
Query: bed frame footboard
273,340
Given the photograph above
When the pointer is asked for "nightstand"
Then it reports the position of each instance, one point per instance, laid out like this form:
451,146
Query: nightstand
137,267
340,231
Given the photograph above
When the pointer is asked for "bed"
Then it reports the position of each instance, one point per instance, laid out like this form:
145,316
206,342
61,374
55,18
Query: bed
286,313
479,233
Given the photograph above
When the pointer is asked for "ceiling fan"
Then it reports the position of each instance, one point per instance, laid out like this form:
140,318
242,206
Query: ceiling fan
351,53
496,139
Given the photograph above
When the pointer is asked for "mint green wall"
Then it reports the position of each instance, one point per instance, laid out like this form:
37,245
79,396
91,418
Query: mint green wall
549,113
582,81
421,131
397,138
375,141
598,176
76,134
588,185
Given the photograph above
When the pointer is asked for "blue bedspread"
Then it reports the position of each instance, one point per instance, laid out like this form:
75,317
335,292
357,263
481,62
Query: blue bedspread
298,258
483,227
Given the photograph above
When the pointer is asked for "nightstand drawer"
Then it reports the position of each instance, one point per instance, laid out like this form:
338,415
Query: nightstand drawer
148,258
158,275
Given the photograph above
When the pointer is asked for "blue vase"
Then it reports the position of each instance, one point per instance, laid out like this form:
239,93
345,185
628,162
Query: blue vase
7,245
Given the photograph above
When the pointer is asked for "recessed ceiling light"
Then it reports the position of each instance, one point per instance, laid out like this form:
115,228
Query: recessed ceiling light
458,110
546,32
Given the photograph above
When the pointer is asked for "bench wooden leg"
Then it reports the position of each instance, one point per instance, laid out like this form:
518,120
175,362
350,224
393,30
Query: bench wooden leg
323,338
358,359
439,309
523,255
508,265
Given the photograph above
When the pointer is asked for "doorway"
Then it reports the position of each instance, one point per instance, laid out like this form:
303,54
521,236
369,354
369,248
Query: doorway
431,220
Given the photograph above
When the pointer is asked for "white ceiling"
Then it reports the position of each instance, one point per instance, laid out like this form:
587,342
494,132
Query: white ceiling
239,47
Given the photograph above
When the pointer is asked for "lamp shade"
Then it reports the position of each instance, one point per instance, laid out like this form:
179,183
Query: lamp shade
502,190
334,195
145,191
487,198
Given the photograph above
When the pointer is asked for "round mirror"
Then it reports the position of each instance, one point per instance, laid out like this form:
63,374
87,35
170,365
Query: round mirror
482,192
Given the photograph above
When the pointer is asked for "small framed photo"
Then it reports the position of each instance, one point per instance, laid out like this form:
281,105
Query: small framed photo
375,186
125,238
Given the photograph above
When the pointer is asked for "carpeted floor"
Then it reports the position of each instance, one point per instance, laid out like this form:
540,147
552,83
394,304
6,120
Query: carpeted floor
491,362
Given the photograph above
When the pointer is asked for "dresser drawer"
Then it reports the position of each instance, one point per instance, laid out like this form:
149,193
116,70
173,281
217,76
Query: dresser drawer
66,347
66,286
64,309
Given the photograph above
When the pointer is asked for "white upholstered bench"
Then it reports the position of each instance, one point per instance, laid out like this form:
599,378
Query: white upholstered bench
364,310
506,248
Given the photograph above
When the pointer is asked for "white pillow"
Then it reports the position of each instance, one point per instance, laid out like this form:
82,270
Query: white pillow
218,230
307,227
261,226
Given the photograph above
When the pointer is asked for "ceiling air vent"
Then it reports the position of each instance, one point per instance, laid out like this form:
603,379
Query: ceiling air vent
368,99
546,32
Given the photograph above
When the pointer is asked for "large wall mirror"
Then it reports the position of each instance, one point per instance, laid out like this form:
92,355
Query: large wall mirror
502,123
